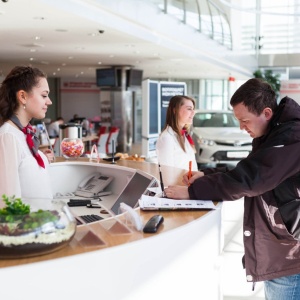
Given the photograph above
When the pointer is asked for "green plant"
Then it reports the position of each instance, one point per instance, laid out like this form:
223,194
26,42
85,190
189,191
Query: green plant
14,206
270,77
16,217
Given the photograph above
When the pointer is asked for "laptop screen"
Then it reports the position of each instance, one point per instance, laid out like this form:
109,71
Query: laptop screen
132,192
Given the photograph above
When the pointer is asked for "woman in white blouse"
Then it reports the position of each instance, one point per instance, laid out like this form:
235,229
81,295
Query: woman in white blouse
24,94
175,146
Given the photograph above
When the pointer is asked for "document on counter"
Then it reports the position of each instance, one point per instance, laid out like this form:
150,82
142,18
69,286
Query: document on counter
156,203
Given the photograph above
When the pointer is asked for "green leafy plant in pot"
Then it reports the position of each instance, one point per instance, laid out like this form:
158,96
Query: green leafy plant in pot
270,77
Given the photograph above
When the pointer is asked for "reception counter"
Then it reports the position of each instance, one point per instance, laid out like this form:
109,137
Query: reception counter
111,260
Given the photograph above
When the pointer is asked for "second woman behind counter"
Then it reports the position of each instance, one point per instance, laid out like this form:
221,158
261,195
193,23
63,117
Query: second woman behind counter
175,146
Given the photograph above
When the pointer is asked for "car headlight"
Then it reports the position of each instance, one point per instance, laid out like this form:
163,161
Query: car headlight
206,142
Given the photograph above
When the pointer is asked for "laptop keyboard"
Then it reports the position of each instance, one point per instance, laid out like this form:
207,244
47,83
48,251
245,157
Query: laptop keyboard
89,219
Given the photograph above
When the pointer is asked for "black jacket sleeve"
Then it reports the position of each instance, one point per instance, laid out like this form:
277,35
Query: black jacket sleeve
260,172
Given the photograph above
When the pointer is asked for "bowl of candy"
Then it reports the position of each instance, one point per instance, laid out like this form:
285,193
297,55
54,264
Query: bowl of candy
71,148
34,227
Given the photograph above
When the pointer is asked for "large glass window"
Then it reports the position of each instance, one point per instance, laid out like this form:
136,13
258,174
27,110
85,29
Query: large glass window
213,94
270,27
203,15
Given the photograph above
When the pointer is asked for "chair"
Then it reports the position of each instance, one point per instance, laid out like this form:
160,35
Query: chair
101,130
113,135
102,142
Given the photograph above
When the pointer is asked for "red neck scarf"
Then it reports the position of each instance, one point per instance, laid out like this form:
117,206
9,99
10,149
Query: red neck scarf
31,139
189,138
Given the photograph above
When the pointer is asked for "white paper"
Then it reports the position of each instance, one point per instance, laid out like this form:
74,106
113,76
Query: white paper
156,203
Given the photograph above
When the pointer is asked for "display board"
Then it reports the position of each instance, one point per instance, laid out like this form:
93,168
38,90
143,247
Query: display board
156,97
167,91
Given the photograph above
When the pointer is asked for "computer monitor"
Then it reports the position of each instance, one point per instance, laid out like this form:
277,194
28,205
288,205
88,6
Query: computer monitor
106,77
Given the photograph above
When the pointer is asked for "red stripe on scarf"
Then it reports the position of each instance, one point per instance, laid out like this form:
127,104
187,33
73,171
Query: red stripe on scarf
28,131
189,138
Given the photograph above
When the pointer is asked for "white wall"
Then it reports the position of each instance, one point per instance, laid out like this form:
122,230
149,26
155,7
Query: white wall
79,96
290,88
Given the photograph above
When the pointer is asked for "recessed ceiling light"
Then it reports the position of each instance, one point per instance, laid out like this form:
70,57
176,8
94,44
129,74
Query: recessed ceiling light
31,58
39,18
32,50
99,63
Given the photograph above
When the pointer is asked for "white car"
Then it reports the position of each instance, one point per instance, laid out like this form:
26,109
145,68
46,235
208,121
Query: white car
218,138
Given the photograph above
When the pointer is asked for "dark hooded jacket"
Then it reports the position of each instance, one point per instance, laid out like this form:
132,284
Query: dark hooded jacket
269,181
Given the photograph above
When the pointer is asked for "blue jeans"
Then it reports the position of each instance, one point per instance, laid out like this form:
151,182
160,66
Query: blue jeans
283,288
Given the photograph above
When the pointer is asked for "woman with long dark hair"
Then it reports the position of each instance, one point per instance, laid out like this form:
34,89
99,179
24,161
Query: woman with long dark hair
175,146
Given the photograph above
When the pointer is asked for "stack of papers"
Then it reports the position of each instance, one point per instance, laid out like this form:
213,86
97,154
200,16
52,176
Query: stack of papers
156,203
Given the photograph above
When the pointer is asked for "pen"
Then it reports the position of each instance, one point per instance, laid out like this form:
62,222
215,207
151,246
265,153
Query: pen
113,152
190,170
161,181
48,139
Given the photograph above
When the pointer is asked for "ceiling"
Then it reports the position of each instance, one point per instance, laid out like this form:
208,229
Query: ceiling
72,38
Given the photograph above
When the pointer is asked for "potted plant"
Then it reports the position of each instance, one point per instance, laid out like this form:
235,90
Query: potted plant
271,78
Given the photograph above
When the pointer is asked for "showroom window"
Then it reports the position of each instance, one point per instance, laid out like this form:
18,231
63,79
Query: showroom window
213,94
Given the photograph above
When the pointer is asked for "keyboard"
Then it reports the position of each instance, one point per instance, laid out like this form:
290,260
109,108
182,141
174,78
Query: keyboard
88,219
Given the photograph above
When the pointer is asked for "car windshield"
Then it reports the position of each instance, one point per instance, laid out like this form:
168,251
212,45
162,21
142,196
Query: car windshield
215,119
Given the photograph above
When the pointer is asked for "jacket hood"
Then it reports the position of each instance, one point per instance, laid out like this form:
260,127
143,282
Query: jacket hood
288,110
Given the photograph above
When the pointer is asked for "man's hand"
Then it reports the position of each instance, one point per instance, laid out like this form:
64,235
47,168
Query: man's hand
177,192
195,174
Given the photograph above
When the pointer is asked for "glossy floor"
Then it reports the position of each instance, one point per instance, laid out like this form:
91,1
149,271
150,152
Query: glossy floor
233,285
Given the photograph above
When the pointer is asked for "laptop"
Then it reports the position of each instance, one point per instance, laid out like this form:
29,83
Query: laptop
137,185
132,192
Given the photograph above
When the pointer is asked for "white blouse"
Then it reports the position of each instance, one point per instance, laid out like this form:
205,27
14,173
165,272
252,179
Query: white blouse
170,153
19,171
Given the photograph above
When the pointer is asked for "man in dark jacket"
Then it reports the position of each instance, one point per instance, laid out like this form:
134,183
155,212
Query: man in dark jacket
269,181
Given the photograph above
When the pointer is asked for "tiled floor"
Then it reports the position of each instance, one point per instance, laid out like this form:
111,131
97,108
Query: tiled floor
234,284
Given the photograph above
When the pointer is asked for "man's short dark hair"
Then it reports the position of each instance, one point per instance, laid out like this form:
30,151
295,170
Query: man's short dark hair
256,94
